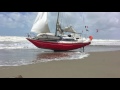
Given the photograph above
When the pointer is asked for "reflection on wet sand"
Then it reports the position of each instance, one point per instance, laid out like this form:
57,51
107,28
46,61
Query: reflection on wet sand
51,55
56,56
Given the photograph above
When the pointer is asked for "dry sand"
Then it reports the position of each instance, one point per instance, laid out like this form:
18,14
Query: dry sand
96,65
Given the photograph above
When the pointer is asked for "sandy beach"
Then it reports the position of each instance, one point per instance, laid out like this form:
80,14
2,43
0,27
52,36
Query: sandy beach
96,65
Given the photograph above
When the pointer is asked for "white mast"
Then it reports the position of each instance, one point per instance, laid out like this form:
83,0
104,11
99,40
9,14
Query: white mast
57,24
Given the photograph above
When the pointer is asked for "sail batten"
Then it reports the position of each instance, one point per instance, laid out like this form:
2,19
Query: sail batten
41,24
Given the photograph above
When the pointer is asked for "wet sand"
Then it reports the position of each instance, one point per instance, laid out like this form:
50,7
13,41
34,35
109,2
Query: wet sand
96,65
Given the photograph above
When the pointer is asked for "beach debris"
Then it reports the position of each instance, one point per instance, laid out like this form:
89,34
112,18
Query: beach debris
19,76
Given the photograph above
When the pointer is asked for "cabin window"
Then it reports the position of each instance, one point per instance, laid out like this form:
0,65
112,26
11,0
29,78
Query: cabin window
68,40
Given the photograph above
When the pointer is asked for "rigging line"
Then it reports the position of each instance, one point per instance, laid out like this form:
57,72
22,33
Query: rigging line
106,28
61,20
65,19
68,19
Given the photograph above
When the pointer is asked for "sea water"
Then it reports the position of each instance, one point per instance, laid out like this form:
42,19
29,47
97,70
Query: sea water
15,51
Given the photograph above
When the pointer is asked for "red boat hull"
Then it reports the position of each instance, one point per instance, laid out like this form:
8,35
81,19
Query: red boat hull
56,46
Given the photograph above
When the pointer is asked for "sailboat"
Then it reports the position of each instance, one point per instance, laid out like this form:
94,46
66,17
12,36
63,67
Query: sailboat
57,41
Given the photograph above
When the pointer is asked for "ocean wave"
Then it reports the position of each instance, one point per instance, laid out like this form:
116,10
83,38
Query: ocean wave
105,42
12,38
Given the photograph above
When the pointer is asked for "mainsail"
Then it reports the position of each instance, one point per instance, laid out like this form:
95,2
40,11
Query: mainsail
40,24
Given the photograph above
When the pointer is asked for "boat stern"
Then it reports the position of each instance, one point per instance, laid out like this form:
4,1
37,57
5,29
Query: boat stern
91,38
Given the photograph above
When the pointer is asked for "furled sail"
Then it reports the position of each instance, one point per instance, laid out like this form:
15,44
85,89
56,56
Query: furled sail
69,29
40,24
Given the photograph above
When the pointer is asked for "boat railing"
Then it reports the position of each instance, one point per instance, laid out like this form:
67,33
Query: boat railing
30,35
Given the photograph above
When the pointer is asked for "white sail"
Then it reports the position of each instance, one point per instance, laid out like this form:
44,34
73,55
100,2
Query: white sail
40,24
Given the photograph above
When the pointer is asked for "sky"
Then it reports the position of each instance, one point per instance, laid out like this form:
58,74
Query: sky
106,23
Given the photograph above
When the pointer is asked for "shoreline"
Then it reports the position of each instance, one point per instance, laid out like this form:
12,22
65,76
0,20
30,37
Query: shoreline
96,65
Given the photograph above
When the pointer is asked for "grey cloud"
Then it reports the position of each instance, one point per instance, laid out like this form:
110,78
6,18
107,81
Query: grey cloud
108,23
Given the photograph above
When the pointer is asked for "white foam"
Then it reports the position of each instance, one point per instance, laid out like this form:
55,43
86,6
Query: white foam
15,63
